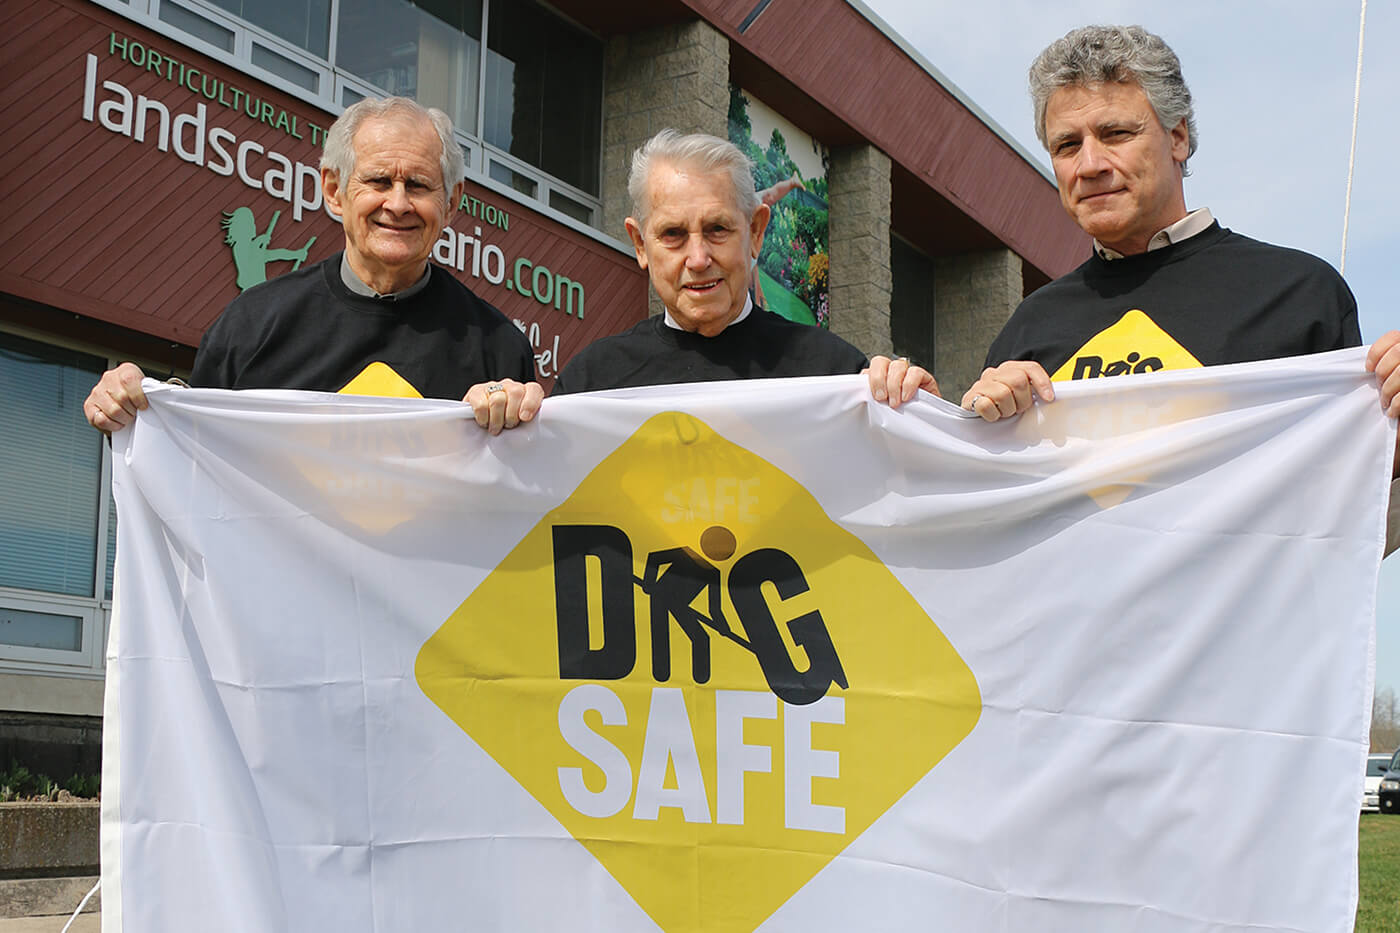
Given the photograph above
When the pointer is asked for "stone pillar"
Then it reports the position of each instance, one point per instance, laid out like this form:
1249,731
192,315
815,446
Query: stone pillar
671,76
975,294
858,187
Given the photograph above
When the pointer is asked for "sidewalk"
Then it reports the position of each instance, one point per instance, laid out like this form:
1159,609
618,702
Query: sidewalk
43,905
86,923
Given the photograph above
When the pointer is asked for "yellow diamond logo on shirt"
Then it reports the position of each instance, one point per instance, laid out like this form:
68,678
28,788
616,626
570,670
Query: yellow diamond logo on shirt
1133,344
380,379
709,683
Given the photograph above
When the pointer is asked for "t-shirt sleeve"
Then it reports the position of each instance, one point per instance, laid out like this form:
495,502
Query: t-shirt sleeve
1351,325
523,365
214,366
573,377
507,352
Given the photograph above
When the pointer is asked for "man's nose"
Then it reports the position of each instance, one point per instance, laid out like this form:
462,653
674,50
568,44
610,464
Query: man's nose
397,198
1093,158
697,252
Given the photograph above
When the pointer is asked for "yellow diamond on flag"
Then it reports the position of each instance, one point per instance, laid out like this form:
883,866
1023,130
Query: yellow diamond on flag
710,684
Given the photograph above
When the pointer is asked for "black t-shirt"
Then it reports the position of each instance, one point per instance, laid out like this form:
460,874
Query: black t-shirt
762,345
1215,298
306,330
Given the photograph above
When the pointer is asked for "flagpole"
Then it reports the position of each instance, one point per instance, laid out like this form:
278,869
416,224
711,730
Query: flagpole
1355,111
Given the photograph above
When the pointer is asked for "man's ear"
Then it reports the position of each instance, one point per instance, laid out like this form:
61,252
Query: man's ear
1181,141
330,188
758,226
454,200
634,231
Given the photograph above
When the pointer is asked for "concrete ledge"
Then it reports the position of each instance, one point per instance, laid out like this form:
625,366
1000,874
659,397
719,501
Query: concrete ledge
46,897
49,839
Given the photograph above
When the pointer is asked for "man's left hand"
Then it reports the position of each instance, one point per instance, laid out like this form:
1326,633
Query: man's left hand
504,403
896,382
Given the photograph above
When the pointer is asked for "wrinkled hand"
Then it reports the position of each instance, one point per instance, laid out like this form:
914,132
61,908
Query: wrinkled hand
504,404
114,401
896,382
1008,390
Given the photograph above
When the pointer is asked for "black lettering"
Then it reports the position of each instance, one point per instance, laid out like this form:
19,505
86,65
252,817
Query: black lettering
746,580
573,546
1088,367
1116,368
673,579
1150,365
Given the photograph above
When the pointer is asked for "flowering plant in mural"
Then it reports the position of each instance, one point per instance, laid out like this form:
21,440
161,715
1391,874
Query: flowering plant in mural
793,261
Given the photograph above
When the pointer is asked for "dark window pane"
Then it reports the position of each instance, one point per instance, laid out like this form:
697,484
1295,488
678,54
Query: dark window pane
911,303
304,23
567,205
52,463
427,51
544,92
197,26
294,72
509,176
48,630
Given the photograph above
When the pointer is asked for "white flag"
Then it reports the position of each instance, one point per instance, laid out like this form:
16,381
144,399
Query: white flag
745,656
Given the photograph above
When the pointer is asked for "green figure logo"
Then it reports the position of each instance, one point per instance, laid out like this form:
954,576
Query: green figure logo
250,249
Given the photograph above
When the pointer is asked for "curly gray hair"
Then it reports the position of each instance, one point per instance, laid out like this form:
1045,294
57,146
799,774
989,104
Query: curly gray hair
338,155
1121,54
695,150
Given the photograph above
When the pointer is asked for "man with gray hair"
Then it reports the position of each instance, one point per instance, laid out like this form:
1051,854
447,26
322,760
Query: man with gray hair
1165,288
697,226
378,318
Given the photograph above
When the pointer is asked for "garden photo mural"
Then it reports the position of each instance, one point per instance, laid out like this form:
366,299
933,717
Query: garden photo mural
789,171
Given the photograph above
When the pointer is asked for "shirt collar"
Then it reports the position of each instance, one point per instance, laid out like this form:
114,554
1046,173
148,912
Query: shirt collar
1198,221
748,306
357,285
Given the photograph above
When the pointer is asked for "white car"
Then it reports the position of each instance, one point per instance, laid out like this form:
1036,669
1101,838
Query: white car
1376,766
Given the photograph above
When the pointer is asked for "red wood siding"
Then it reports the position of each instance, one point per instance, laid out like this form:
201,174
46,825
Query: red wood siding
118,231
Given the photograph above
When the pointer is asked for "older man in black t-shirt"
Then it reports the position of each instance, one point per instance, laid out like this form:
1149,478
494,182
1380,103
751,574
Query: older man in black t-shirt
377,319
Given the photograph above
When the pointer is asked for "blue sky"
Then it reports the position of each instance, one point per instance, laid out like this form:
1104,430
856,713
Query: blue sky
1273,84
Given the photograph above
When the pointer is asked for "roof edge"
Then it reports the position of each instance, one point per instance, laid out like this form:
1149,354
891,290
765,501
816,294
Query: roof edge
914,55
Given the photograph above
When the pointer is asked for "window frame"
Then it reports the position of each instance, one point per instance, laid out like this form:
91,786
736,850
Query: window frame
95,610
94,615
332,81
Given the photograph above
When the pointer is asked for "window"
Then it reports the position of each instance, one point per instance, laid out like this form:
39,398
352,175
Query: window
57,524
198,26
535,94
544,93
911,302
304,23
429,51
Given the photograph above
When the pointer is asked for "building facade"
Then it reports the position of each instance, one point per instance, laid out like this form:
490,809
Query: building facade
161,155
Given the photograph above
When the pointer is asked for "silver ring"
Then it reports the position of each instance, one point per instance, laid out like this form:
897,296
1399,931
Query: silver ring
495,387
975,399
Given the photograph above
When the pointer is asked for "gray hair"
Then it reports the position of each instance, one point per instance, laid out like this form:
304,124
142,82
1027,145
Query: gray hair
1119,54
697,151
338,156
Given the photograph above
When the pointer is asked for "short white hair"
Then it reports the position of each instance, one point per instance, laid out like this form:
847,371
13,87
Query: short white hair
338,156
694,150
